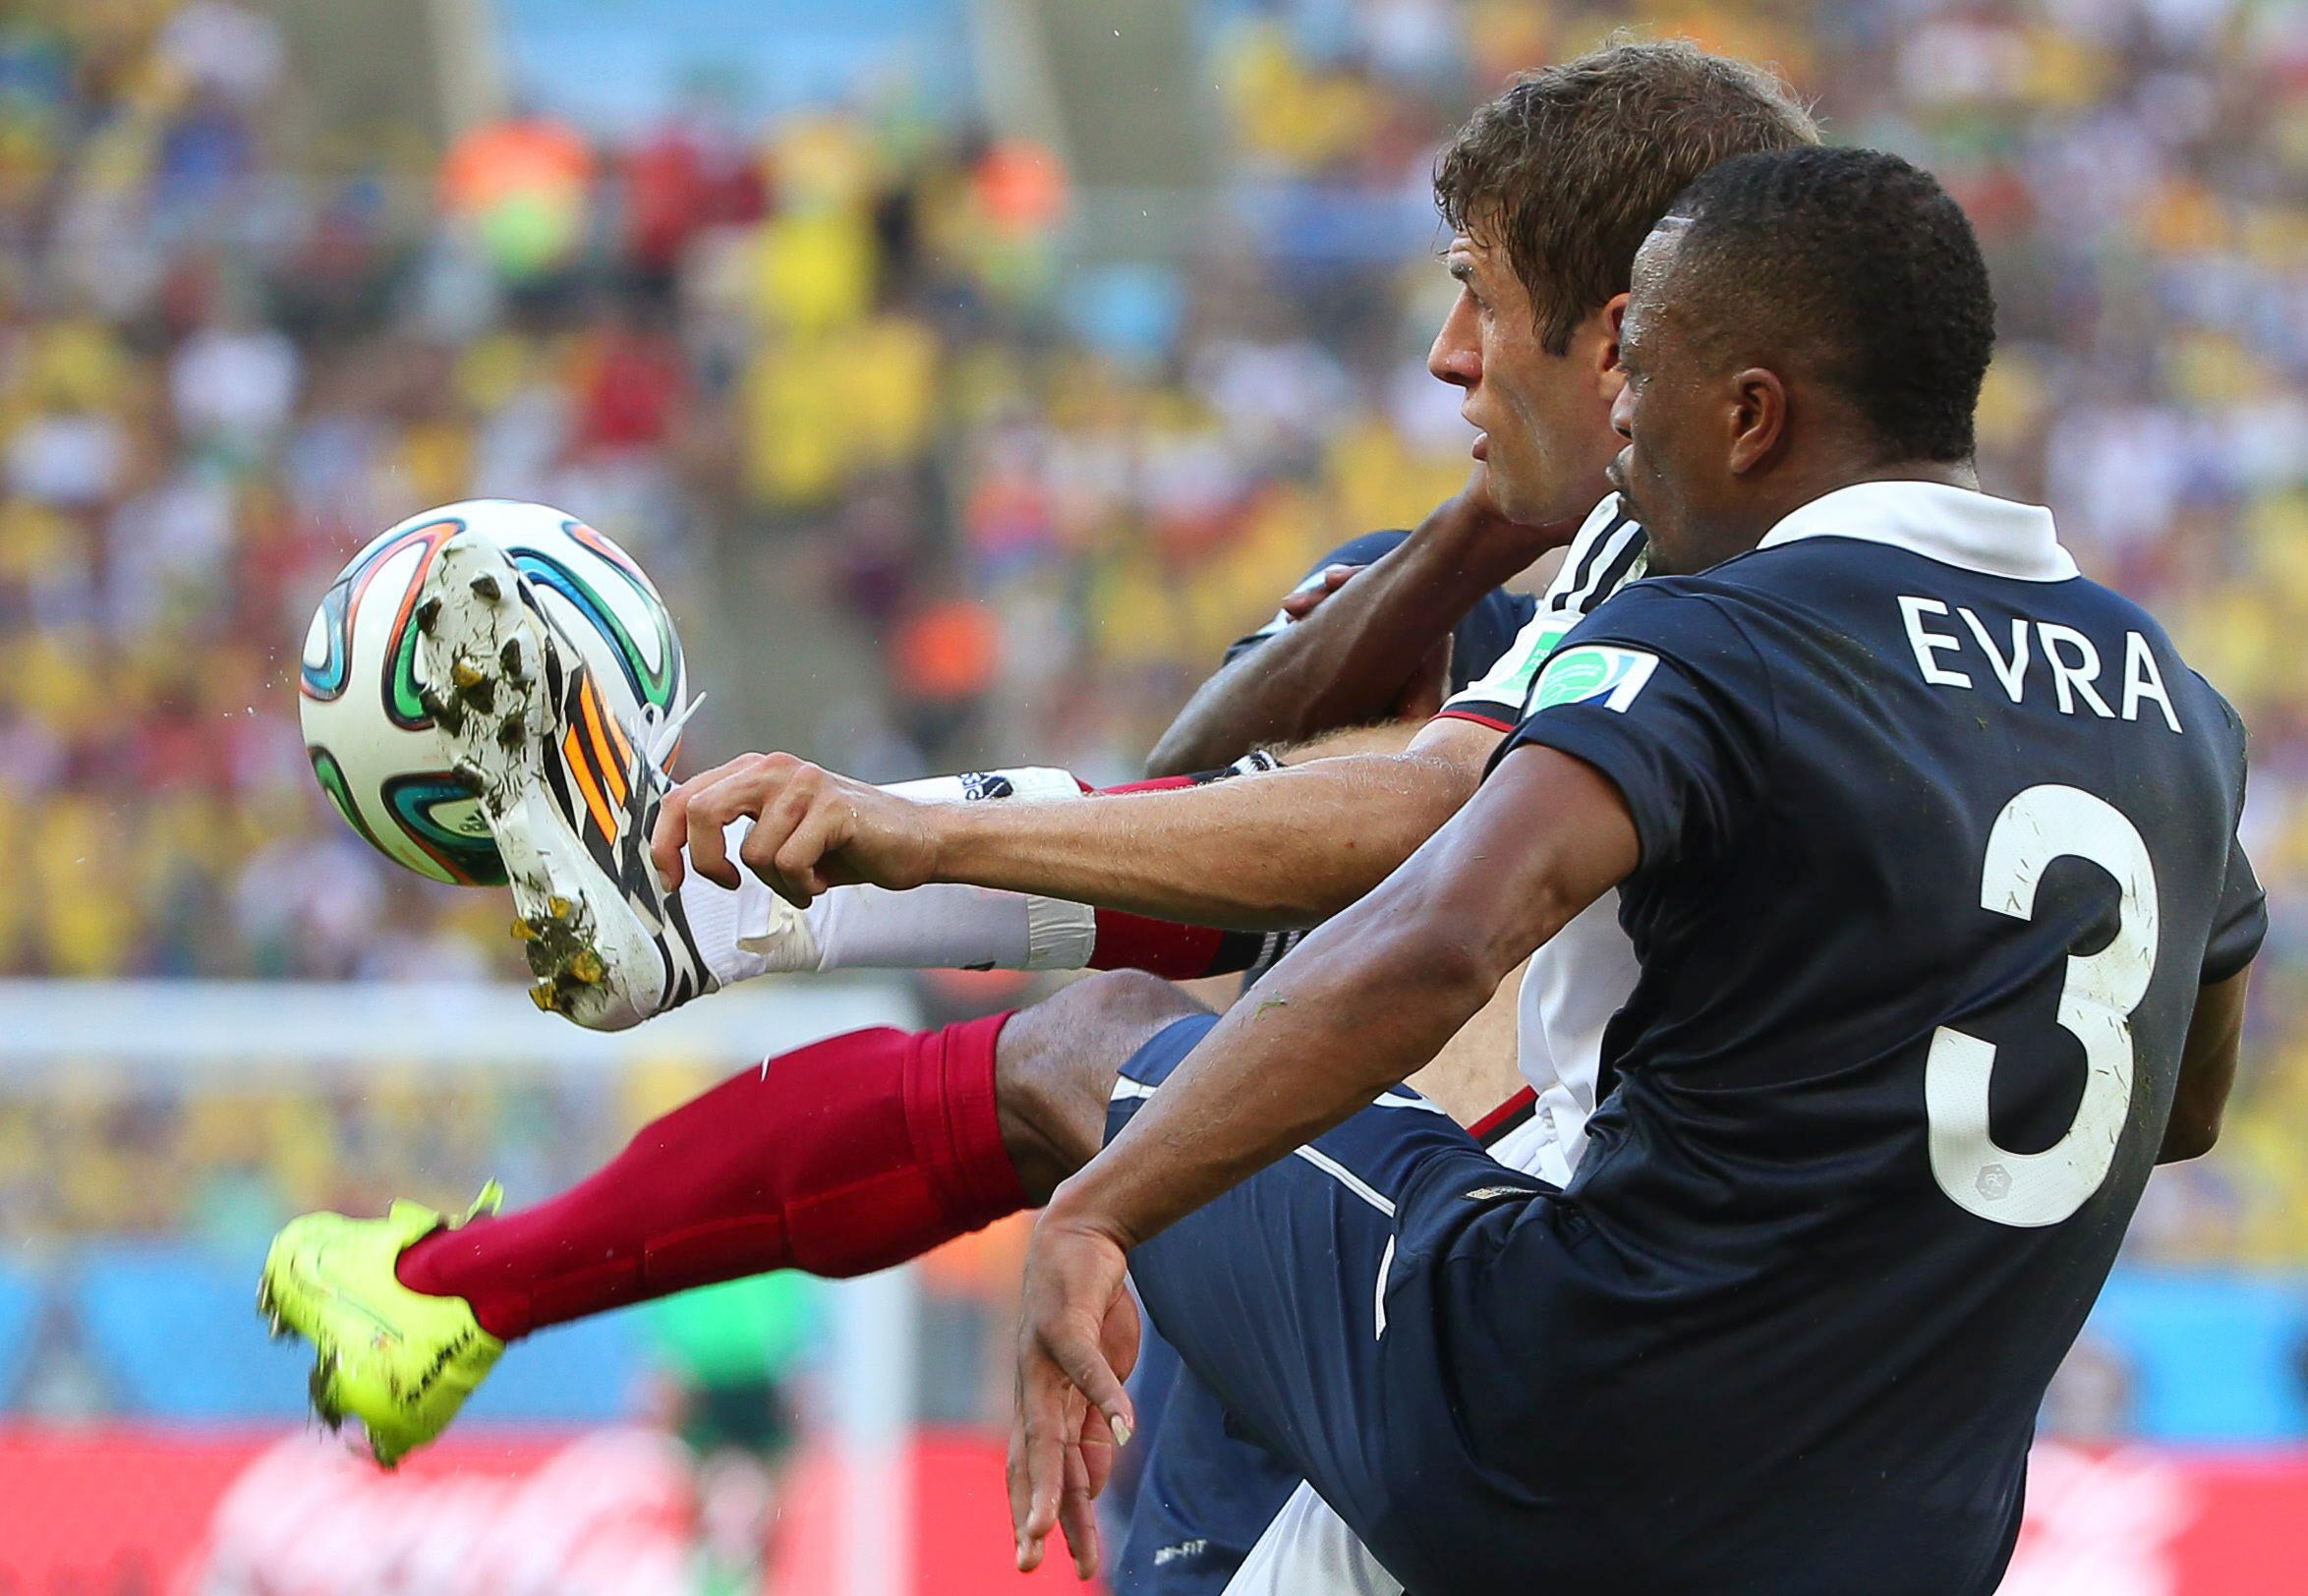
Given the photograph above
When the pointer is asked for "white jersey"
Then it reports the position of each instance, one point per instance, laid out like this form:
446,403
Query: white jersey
1577,981
1572,988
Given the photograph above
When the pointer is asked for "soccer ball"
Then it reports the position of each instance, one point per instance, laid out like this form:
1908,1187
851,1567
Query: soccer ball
372,742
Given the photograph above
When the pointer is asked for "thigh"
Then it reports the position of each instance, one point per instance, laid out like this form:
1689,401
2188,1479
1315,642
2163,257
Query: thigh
1277,1293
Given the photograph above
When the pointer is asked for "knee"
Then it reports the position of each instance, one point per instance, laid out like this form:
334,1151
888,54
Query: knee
1057,1062
1126,1002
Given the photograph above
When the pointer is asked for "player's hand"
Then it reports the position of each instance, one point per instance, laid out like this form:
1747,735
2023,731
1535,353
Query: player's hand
1077,1340
812,830
1424,694
1305,600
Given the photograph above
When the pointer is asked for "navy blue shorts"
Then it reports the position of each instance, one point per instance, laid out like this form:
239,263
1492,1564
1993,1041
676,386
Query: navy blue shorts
1316,1302
1202,1492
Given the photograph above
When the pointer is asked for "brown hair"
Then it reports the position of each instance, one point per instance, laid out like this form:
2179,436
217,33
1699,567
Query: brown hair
1570,167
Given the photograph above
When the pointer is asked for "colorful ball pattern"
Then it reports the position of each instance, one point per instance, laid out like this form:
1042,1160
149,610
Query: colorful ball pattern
373,747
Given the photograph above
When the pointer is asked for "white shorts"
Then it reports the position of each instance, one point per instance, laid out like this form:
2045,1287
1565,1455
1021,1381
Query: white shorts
1307,1548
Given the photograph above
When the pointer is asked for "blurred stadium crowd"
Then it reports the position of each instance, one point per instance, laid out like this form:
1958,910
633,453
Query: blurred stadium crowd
857,364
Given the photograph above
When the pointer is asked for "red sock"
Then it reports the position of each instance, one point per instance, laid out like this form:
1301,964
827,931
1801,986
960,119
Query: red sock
1176,953
1133,941
840,1157
1162,784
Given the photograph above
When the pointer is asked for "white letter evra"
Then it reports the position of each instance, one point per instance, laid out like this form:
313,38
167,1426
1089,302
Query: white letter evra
1927,644
2141,680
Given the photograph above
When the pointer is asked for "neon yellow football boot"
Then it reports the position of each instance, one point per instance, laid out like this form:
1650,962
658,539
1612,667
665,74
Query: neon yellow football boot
399,1361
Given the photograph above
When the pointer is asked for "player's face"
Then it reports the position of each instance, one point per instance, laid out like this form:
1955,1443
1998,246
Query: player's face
1543,418
1673,471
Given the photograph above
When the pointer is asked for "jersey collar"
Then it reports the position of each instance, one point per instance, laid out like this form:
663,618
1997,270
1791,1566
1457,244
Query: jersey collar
1955,526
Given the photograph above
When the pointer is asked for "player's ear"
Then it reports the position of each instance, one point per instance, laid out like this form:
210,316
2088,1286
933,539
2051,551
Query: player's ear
1759,419
1609,375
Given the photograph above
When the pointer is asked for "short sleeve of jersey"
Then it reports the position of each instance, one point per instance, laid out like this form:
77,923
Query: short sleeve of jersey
1497,698
1661,691
2240,925
1480,639
1607,551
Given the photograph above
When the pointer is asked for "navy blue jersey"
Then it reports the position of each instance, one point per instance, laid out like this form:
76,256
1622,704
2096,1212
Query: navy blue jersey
1938,844
1479,640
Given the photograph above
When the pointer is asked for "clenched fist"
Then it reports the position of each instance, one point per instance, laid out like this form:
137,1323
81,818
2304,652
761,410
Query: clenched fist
812,830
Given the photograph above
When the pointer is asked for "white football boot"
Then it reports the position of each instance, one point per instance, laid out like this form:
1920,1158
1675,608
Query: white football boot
569,766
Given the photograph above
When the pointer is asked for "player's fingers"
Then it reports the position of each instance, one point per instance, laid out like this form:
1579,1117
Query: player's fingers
1015,1478
1037,1463
1303,600
1307,598
759,854
1096,1450
707,819
1121,1334
783,789
1084,1363
795,867
670,837
775,790
1077,1514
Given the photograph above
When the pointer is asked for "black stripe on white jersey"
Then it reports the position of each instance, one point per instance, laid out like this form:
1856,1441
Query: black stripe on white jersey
1617,569
1594,580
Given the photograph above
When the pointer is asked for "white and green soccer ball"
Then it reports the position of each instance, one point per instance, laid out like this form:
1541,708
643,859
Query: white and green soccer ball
373,744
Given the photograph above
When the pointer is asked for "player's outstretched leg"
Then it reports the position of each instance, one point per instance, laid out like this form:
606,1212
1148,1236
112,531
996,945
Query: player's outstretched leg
840,1157
569,771
404,1362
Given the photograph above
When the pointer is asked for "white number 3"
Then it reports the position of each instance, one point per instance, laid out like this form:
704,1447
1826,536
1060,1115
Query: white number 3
2095,1004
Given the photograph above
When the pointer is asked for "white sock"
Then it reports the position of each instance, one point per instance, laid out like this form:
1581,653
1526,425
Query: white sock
982,786
950,927
753,932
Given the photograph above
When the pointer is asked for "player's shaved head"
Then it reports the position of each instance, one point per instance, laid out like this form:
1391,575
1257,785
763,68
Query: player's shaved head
1568,168
1848,266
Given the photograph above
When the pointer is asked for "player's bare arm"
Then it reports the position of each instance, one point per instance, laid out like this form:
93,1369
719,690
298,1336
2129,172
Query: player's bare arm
2208,1069
1365,641
1281,849
1354,1010
1376,737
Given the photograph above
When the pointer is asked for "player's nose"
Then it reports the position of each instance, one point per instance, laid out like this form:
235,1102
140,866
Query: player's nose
1456,355
1623,411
